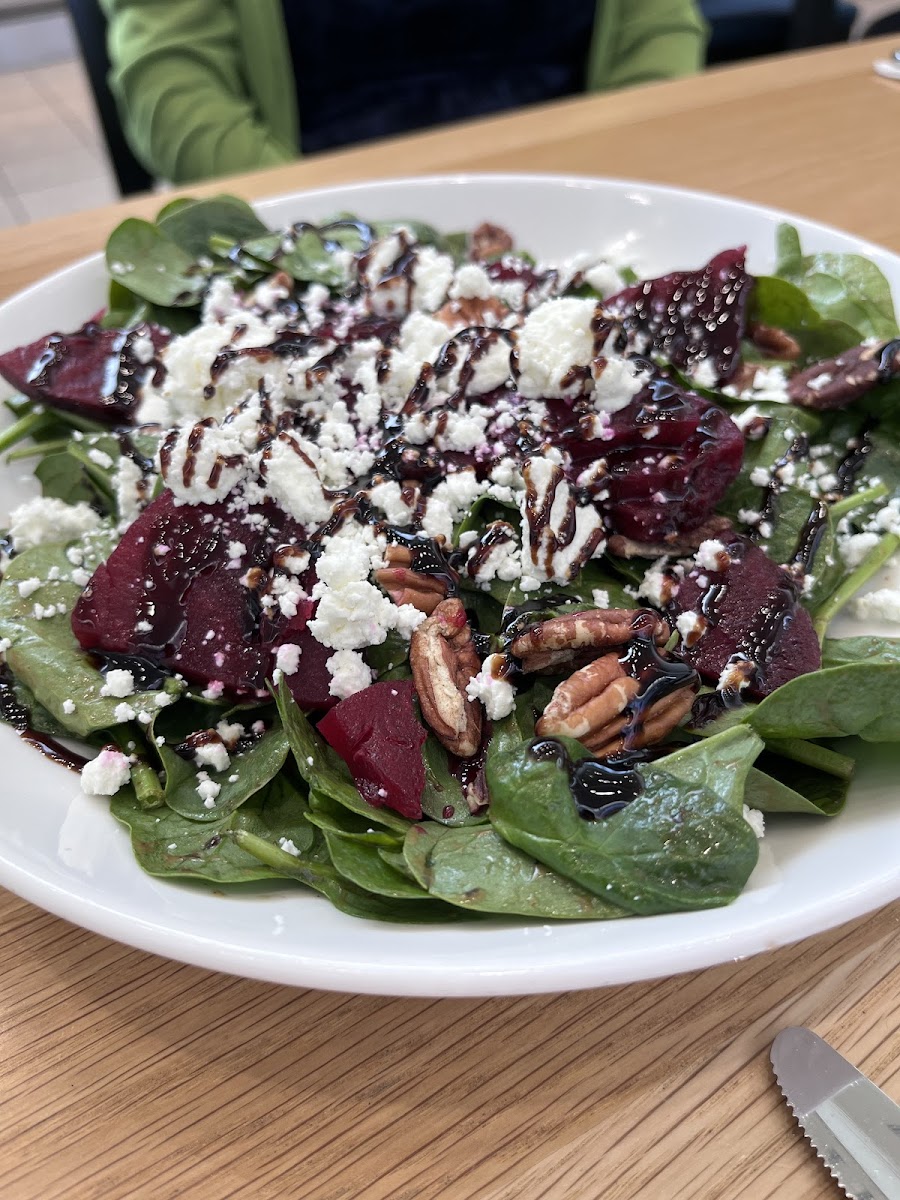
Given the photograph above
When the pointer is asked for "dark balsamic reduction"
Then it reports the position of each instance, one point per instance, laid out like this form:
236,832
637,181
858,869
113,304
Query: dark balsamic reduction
657,677
599,789
149,676
887,361
852,463
427,557
16,714
809,539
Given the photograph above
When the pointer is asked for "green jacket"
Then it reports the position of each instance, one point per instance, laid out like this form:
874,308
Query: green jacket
206,87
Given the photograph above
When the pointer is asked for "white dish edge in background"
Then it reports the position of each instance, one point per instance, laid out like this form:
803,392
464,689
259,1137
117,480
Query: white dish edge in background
64,851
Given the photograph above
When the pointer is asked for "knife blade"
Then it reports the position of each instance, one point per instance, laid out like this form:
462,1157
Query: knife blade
852,1125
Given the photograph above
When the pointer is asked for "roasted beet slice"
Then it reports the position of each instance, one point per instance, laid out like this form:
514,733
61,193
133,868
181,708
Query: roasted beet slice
670,457
377,734
171,593
749,613
690,316
96,372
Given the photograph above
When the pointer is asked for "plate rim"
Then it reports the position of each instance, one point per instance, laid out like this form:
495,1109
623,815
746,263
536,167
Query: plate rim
415,978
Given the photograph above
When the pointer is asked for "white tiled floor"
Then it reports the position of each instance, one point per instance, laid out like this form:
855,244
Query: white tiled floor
52,154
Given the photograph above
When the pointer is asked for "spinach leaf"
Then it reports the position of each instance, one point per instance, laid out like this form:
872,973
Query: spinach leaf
62,477
143,259
323,769
476,869
840,652
390,659
166,843
842,287
327,815
443,792
191,223
776,784
683,844
783,305
254,769
44,654
858,698
315,869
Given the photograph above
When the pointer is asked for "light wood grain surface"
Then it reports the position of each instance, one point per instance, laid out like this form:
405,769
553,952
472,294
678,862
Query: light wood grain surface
126,1077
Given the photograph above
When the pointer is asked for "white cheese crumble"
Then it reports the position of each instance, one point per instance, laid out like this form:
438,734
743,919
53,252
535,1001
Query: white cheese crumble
883,604
756,820
105,774
287,658
49,520
213,754
118,683
712,555
496,693
556,337
349,673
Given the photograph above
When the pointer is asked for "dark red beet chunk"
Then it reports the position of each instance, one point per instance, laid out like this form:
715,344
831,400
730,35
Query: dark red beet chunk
753,613
168,583
377,734
670,458
93,371
689,316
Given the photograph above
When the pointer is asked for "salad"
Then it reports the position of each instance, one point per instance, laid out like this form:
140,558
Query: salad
394,563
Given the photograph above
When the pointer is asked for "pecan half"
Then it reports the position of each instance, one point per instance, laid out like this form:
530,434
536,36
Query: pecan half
837,382
683,543
489,241
443,660
600,707
472,310
559,641
406,586
774,341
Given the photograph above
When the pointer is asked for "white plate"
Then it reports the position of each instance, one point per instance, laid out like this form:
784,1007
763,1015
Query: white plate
64,852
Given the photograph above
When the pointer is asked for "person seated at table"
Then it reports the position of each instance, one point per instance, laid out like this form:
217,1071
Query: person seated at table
213,87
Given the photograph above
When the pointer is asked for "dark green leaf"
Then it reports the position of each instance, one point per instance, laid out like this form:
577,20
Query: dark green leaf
151,265
190,224
254,768
840,652
859,698
776,784
783,305
476,869
683,844
841,287
443,791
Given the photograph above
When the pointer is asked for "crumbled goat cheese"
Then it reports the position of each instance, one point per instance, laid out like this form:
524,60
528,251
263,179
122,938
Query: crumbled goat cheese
68,707
883,604
691,626
600,597
496,693
288,846
287,658
712,555
759,477
755,820
100,457
118,683
105,774
705,374
349,673
207,789
28,587
213,754
555,337
123,712
49,520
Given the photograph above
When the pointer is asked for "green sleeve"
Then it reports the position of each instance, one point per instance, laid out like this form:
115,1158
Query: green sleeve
177,78
640,42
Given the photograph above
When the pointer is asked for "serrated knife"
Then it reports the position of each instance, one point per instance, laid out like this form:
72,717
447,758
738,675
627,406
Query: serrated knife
852,1125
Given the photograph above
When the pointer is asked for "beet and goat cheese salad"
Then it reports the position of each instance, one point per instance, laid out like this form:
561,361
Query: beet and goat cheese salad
445,581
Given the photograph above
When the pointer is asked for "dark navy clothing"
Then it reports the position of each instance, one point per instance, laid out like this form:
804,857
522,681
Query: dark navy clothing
371,68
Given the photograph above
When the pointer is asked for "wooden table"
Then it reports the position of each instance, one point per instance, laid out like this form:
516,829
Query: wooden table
125,1076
